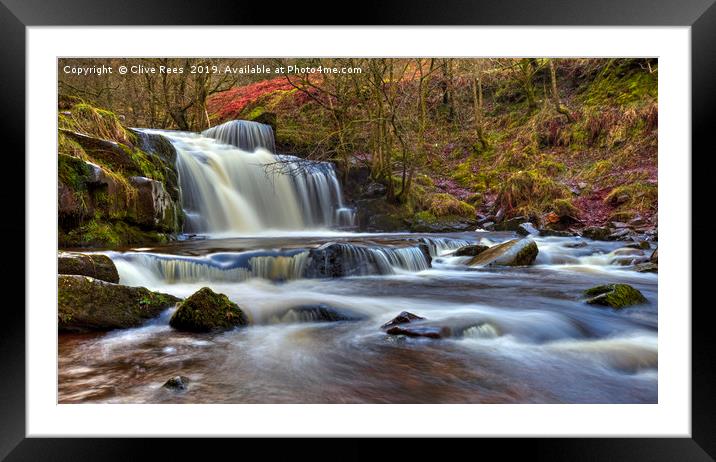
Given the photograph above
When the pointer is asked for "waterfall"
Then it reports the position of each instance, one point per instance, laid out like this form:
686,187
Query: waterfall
232,182
245,135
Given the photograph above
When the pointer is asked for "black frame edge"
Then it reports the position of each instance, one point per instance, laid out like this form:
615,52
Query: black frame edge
699,14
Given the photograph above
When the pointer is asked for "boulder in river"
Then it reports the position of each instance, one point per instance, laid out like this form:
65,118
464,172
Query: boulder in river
516,252
206,311
94,265
527,229
614,295
404,317
471,250
178,383
654,256
87,304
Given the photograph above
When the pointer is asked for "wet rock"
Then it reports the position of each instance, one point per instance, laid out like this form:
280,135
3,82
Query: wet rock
646,267
511,225
443,225
637,221
598,233
374,189
420,331
643,245
516,252
628,251
154,206
207,311
654,256
178,383
319,313
555,232
620,235
614,295
95,265
87,304
619,224
527,229
471,250
489,226
403,318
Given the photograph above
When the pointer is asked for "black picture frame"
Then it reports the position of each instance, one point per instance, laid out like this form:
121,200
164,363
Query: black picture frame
16,15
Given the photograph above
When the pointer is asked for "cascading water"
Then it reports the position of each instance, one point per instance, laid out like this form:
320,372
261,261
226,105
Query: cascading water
244,134
232,183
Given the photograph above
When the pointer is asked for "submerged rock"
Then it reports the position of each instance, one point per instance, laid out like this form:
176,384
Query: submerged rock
516,252
472,250
404,317
94,265
614,295
88,304
178,383
555,232
207,311
318,313
420,331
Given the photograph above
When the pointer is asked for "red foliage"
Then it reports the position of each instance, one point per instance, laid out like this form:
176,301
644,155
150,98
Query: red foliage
229,104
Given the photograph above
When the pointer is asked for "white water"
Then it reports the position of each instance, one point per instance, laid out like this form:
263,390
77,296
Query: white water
244,190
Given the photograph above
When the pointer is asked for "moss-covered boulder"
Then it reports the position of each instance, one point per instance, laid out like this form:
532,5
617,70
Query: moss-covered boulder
516,252
207,311
96,265
616,296
87,304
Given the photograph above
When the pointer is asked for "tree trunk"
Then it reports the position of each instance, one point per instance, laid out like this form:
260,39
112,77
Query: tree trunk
555,93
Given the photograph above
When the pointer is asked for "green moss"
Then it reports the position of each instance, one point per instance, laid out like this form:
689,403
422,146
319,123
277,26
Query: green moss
530,193
564,208
100,123
616,296
207,311
72,172
444,204
639,197
622,82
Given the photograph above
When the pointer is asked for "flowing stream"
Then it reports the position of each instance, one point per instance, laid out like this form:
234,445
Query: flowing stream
518,334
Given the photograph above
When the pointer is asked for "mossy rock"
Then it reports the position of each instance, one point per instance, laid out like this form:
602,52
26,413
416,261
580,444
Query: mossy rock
207,311
87,304
616,296
98,266
516,252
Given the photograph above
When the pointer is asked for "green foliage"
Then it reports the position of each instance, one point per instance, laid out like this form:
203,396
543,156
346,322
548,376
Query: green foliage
443,204
622,82
528,192
639,196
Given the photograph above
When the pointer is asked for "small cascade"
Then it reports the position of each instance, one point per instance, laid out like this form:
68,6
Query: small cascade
245,135
440,246
345,259
138,268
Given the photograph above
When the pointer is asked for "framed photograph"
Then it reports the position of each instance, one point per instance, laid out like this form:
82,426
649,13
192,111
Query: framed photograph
446,224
